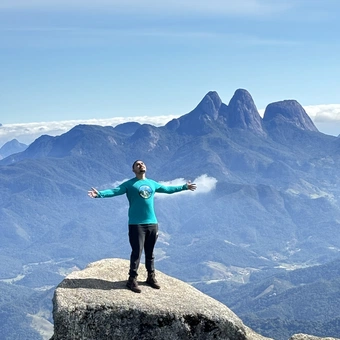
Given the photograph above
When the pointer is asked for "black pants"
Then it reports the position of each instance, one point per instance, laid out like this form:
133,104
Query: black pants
142,236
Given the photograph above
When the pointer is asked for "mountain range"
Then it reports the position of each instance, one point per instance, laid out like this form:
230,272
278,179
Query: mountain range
266,205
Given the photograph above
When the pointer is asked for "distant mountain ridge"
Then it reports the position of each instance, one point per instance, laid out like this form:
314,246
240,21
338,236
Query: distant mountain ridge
284,299
11,147
275,204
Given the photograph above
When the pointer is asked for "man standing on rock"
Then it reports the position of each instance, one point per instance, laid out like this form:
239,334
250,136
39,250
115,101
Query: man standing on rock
143,225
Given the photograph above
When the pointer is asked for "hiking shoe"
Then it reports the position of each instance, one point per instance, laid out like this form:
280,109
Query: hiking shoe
151,280
133,285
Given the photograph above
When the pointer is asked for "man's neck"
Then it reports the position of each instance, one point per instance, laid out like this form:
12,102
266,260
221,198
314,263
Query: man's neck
141,176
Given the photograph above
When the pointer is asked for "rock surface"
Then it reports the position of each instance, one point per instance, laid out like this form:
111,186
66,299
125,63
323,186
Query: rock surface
94,303
291,112
242,113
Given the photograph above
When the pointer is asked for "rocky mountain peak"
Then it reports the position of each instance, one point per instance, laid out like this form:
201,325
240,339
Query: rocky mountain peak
200,120
94,303
128,128
242,112
288,111
209,105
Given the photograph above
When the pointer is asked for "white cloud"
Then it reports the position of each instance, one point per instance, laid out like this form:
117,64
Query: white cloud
325,117
324,113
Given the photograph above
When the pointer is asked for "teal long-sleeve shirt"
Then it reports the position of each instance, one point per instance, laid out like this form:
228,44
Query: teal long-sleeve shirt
140,194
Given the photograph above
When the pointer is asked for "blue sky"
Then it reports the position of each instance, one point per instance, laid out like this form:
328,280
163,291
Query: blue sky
77,60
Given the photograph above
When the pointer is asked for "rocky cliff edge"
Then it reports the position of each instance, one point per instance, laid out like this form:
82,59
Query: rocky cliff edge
94,303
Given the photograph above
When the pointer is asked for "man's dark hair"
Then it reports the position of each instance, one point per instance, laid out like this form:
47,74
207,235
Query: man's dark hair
133,165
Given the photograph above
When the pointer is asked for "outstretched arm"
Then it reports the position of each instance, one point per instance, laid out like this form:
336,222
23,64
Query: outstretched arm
172,189
120,190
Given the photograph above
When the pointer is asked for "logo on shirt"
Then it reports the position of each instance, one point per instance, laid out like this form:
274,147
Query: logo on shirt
145,191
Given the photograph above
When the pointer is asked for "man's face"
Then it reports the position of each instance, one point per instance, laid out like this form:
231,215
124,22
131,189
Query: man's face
139,167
